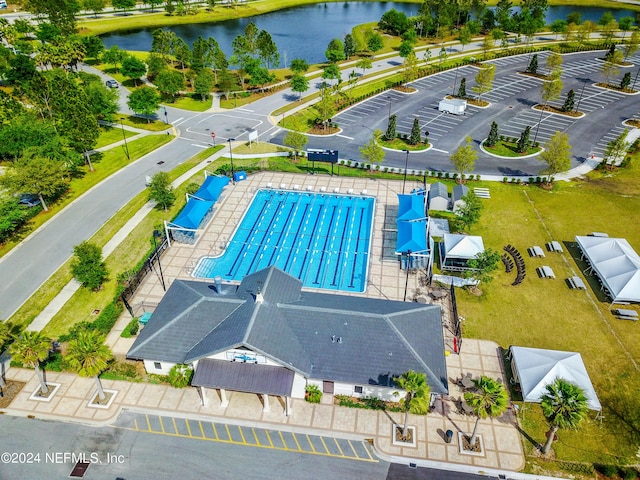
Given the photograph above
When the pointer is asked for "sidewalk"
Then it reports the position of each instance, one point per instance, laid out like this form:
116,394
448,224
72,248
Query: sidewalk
503,450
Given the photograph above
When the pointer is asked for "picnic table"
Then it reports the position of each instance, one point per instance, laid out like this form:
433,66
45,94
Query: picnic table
554,246
536,251
576,282
545,272
626,314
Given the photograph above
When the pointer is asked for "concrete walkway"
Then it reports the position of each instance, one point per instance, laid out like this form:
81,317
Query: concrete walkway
500,437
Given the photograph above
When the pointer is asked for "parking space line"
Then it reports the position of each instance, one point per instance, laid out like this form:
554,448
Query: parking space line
244,440
186,422
313,449
325,446
229,433
296,440
338,445
161,424
255,435
283,442
202,430
148,423
135,423
353,449
269,438
175,426
215,430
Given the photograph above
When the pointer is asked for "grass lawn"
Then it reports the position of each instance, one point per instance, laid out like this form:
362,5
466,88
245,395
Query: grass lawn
509,149
125,257
109,135
144,124
257,148
189,102
111,162
401,144
547,314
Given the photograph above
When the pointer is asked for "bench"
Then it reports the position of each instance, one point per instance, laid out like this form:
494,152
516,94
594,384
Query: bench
535,251
576,282
545,272
626,314
554,246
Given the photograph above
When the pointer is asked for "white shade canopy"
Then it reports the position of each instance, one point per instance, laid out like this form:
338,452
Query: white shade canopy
536,368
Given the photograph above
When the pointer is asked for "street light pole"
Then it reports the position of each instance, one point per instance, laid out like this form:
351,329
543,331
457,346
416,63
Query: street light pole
406,164
156,233
126,147
233,180
166,119
634,80
535,137
584,83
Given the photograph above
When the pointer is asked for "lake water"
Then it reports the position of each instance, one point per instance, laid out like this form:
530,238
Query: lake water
305,32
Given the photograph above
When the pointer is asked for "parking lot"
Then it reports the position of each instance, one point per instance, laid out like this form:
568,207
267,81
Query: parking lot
512,99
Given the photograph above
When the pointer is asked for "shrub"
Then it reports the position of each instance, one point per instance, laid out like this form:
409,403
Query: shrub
120,370
531,180
504,179
455,176
131,329
628,473
313,394
446,175
478,177
192,188
538,180
607,470
180,376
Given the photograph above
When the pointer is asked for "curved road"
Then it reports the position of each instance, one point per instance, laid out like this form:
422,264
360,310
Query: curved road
41,254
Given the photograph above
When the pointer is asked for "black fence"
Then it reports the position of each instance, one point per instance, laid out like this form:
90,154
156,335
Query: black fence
455,320
148,266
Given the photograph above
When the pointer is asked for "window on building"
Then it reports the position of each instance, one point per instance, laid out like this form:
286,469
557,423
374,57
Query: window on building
358,389
157,365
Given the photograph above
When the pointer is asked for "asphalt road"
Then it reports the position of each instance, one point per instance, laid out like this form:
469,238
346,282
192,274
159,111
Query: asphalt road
35,449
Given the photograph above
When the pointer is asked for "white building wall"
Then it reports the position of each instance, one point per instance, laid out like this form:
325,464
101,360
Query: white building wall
349,389
439,203
299,386
152,367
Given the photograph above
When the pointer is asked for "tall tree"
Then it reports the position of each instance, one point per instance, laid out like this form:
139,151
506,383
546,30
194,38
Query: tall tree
60,13
484,265
95,6
554,65
557,155
297,141
484,80
299,65
335,51
87,266
415,136
569,101
410,68
169,83
161,191
204,83
631,46
564,405
89,356
464,158
112,55
524,142
37,175
533,64
616,149
492,139
371,152
267,49
611,66
417,398
299,84
469,212
464,36
133,68
391,128
489,399
375,43
144,101
364,63
31,349
349,46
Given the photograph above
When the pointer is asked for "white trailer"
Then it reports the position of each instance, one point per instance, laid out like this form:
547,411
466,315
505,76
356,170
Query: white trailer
452,105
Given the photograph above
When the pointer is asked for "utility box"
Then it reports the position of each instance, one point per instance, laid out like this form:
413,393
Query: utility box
453,105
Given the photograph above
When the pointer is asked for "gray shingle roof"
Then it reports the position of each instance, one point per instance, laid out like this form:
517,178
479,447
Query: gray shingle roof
320,335
438,189
458,192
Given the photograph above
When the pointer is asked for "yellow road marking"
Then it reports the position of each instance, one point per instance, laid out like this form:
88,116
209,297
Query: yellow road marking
202,430
186,422
161,424
269,438
135,423
366,449
242,435
311,444
148,423
283,442
353,449
338,445
325,446
215,431
296,440
175,426
228,433
255,435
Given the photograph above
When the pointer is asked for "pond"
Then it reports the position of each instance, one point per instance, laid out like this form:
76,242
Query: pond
305,32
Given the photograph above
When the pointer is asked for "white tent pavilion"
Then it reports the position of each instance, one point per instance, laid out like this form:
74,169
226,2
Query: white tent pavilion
535,368
457,250
616,264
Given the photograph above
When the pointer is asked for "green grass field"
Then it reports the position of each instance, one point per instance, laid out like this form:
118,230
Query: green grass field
109,135
547,314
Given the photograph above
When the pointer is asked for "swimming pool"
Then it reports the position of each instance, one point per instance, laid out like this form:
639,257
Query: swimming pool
322,239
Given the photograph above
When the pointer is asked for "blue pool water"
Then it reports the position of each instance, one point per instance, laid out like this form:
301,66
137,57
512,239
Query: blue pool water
322,239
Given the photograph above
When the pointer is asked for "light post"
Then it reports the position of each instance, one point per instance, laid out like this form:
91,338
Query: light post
406,265
535,137
634,79
233,180
126,147
166,118
584,83
157,233
455,81
389,98
406,164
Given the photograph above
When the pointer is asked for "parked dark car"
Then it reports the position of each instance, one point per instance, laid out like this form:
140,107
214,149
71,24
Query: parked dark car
29,200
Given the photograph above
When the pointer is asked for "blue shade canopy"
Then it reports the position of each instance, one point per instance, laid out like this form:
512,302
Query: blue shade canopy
193,213
211,188
412,236
410,207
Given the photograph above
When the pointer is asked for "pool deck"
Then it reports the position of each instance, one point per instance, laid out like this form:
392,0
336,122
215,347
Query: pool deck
502,445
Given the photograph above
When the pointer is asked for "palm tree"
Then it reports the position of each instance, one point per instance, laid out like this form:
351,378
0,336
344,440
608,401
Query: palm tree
88,356
5,332
490,399
564,405
30,349
417,398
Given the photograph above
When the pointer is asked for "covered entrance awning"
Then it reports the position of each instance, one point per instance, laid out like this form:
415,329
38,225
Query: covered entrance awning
243,377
